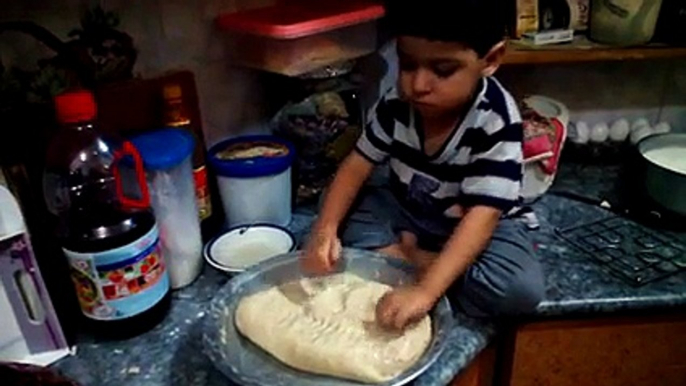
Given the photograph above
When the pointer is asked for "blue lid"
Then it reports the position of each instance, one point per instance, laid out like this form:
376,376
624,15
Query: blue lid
164,149
252,166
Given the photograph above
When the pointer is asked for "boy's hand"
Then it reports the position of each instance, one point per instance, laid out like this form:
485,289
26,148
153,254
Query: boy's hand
403,306
321,252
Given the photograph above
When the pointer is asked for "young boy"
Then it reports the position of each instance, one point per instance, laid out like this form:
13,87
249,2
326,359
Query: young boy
452,136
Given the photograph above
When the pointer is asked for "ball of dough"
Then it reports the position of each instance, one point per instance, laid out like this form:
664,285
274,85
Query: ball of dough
331,329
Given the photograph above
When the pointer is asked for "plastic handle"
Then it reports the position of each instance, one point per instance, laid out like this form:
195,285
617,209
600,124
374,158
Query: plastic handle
29,297
129,150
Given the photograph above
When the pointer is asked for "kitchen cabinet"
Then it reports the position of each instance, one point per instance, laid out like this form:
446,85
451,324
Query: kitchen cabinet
645,350
480,372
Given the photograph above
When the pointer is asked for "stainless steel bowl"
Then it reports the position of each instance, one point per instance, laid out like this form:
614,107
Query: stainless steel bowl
665,185
245,363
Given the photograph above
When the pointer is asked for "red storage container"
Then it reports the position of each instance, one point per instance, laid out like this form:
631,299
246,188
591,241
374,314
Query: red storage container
297,37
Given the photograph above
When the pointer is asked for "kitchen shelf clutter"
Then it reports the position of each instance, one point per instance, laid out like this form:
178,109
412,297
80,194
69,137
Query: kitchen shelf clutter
296,37
584,50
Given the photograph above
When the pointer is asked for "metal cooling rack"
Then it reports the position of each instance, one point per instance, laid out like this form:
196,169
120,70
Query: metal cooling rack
627,250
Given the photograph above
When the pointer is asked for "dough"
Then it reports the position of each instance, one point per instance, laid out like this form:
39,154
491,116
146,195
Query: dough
328,326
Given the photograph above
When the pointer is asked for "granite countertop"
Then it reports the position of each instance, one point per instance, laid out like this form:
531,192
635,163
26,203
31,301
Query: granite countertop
171,354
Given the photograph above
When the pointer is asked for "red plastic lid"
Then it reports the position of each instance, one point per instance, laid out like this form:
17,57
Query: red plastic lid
298,19
75,106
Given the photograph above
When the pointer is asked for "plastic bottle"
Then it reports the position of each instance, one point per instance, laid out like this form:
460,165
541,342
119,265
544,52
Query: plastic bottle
167,157
176,115
110,240
624,23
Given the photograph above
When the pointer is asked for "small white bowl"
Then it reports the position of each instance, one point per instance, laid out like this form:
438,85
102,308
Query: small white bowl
242,247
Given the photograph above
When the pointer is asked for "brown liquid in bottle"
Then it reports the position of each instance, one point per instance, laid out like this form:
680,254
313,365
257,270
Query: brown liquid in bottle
176,115
116,266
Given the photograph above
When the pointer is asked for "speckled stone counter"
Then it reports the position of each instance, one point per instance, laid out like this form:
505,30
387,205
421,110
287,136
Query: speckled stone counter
575,284
171,354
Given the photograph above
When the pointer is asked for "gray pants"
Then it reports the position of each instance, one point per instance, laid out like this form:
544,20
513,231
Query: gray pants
505,280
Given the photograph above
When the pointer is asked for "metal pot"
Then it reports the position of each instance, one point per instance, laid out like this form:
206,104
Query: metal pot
664,160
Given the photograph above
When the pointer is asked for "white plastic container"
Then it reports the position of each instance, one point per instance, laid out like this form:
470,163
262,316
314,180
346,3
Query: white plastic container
167,158
29,329
254,179
622,22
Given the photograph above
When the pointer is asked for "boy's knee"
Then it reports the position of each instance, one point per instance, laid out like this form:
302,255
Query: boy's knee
515,291
524,292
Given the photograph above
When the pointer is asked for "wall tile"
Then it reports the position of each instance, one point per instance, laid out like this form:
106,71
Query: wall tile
230,99
598,91
674,109
176,34
588,86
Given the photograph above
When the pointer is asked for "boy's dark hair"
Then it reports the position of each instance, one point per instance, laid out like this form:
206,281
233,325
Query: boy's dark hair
478,24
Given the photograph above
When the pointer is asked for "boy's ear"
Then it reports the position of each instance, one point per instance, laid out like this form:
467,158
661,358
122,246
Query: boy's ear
494,58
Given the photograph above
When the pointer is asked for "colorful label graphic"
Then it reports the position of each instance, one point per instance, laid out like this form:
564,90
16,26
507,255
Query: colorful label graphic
202,192
121,282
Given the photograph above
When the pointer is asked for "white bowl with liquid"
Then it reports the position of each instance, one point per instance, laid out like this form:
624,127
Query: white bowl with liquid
243,247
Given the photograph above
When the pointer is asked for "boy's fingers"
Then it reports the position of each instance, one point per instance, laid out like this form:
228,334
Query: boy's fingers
314,261
416,318
381,310
401,319
308,266
388,318
387,311
321,262
334,253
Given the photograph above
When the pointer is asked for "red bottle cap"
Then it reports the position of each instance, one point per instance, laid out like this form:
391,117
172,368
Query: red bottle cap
75,106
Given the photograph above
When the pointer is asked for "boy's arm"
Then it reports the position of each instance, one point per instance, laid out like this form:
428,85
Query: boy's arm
323,247
372,148
490,188
340,195
471,237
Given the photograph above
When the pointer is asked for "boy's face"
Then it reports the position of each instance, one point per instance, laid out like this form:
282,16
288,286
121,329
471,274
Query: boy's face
439,78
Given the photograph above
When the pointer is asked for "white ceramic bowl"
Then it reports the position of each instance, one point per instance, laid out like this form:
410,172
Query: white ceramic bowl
242,247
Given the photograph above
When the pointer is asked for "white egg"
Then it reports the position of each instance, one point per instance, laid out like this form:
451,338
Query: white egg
641,133
639,123
619,131
583,133
662,128
600,132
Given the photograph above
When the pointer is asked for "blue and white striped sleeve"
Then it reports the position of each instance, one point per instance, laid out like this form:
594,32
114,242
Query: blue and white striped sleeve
494,175
376,139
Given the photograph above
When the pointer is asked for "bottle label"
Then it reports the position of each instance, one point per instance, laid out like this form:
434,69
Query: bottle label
122,282
202,193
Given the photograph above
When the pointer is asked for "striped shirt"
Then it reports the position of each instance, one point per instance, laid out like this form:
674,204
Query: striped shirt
480,163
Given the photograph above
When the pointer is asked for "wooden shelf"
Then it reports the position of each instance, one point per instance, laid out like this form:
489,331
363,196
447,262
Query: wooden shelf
583,50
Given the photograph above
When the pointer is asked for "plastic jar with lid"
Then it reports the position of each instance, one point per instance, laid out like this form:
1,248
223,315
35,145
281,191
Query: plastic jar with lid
167,156
624,22
254,178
